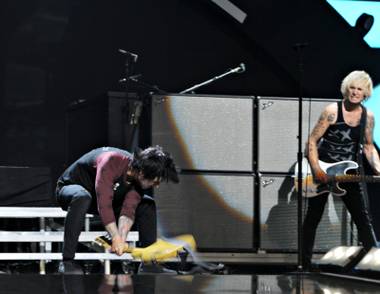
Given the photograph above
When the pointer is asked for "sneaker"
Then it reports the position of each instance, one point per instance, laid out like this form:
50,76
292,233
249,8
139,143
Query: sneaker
69,267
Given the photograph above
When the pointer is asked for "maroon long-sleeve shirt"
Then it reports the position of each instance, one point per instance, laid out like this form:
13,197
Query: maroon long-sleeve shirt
100,171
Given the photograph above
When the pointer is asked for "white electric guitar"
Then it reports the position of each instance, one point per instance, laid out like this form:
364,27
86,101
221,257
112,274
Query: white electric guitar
337,173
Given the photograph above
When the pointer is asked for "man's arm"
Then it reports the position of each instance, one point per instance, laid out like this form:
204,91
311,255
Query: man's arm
117,240
125,225
327,117
127,213
369,149
120,232
110,166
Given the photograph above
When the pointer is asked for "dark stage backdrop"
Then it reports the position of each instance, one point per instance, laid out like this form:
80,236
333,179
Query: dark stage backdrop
54,54
25,186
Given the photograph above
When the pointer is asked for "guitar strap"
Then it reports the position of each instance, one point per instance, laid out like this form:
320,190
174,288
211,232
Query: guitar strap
363,122
363,185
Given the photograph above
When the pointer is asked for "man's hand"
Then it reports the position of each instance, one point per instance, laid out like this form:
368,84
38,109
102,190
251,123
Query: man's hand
320,176
117,245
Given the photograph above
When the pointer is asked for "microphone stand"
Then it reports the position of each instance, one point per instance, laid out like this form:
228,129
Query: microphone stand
239,69
130,59
299,47
139,104
152,88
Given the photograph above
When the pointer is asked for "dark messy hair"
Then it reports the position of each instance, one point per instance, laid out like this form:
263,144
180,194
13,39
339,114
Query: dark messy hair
153,162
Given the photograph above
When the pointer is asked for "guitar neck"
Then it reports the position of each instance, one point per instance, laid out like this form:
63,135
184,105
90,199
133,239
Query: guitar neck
356,178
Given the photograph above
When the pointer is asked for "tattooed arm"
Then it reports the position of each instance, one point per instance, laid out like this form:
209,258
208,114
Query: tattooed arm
119,233
125,224
369,149
117,240
127,212
327,118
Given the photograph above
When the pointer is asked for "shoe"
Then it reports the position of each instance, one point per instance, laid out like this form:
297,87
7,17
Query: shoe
155,268
69,267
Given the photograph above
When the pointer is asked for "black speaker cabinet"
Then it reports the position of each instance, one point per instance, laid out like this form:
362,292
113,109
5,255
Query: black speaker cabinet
129,120
216,209
85,127
278,216
212,133
278,130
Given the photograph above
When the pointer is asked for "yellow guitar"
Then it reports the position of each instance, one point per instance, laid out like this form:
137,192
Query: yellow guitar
159,251
337,173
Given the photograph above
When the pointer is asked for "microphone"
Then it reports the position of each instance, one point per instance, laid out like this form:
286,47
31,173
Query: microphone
134,78
240,69
130,54
77,102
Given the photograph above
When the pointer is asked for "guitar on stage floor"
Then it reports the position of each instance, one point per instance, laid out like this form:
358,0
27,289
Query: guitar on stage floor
161,250
337,173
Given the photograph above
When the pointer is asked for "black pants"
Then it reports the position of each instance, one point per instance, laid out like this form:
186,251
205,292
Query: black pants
354,203
77,201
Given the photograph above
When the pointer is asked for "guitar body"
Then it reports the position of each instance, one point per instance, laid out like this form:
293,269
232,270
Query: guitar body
336,169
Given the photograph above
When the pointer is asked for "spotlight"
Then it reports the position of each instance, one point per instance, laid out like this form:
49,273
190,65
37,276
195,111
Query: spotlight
341,258
364,23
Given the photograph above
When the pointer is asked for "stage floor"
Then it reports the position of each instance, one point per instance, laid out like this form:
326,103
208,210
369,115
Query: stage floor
263,284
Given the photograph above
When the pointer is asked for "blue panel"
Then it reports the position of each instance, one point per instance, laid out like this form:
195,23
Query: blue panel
373,103
351,10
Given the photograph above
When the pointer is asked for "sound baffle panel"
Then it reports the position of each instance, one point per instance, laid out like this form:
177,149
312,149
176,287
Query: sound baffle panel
205,132
278,130
216,209
278,216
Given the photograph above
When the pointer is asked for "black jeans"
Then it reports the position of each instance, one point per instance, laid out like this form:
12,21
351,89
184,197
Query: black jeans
77,201
354,203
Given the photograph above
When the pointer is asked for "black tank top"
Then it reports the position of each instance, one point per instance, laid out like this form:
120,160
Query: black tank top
340,142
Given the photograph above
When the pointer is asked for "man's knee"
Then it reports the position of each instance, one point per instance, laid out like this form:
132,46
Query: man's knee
74,195
82,197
